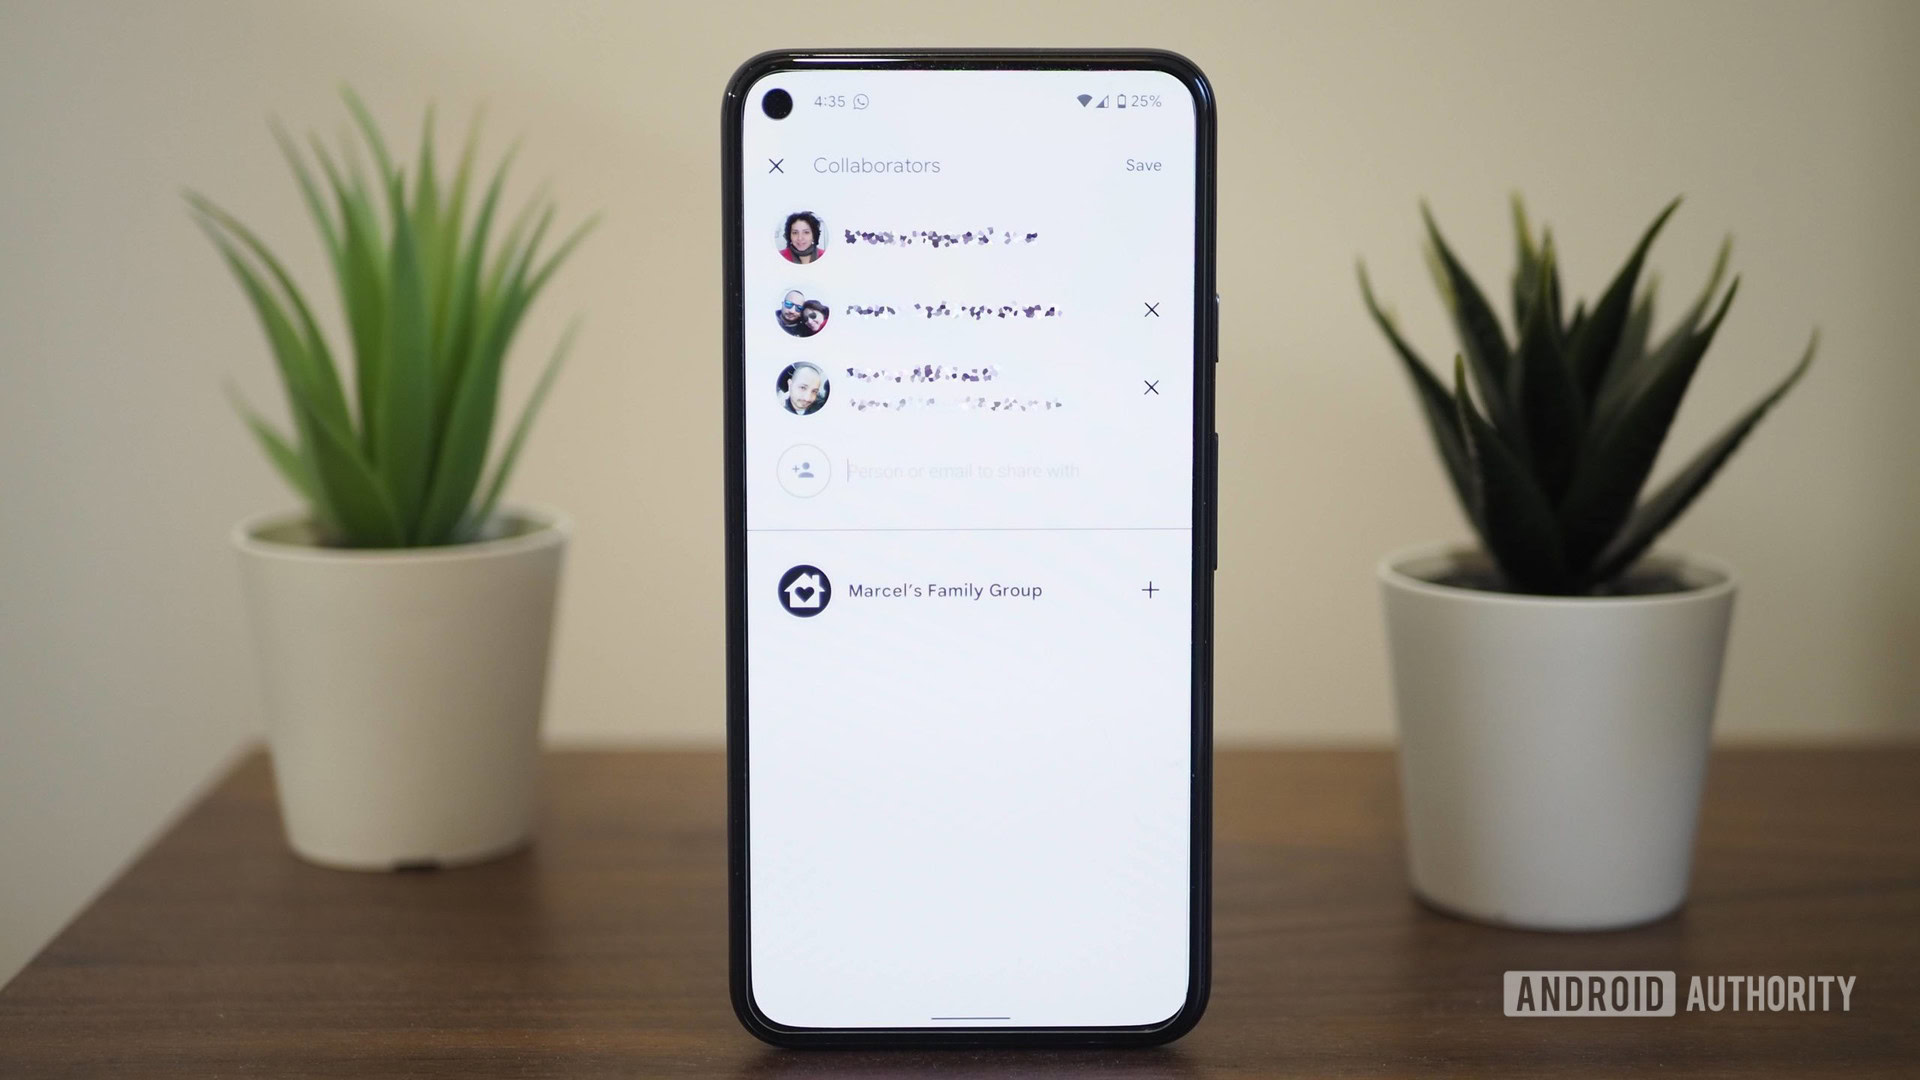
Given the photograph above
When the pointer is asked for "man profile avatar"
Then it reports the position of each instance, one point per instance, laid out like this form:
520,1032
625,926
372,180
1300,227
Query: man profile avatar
802,388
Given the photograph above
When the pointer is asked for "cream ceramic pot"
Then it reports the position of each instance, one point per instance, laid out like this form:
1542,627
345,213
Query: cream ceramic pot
1553,749
404,688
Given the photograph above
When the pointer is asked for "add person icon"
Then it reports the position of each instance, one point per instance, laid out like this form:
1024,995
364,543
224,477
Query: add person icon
804,470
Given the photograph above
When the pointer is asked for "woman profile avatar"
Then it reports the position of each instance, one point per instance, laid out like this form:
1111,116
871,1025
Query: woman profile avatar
814,314
802,237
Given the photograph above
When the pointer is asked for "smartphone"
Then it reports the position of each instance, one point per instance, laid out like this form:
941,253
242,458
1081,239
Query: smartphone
970,514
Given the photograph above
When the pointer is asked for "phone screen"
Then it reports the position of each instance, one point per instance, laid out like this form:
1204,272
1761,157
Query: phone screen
972,426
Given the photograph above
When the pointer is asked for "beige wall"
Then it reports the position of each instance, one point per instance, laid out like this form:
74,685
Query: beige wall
124,677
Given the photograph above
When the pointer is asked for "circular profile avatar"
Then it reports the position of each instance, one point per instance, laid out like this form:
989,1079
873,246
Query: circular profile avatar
802,239
800,316
805,591
802,388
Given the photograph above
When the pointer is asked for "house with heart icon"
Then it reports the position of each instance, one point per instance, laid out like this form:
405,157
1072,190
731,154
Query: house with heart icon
803,592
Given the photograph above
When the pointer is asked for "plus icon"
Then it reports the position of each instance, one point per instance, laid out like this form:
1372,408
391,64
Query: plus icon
1150,590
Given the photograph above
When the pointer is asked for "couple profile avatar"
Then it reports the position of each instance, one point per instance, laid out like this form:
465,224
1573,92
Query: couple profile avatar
800,316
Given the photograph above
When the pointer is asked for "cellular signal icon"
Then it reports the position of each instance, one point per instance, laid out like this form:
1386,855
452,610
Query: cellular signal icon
1083,99
1102,105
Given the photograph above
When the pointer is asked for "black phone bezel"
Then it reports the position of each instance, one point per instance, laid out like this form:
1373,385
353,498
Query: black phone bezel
1205,544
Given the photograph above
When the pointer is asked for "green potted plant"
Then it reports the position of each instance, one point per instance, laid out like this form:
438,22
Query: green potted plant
403,618
1555,687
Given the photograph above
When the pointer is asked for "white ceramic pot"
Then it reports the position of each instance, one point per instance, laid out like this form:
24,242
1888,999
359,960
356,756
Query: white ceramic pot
404,688
1553,749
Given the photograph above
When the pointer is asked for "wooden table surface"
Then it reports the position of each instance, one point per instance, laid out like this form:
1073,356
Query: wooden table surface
601,951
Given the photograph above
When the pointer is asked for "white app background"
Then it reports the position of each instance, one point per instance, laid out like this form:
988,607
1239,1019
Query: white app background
970,809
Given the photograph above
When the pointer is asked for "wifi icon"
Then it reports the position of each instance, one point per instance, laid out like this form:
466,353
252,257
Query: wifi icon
1083,99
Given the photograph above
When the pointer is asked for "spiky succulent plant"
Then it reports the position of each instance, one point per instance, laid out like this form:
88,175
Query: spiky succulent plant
431,314
1550,461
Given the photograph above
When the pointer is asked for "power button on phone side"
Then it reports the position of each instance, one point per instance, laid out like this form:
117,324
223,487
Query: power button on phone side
1213,339
1213,500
